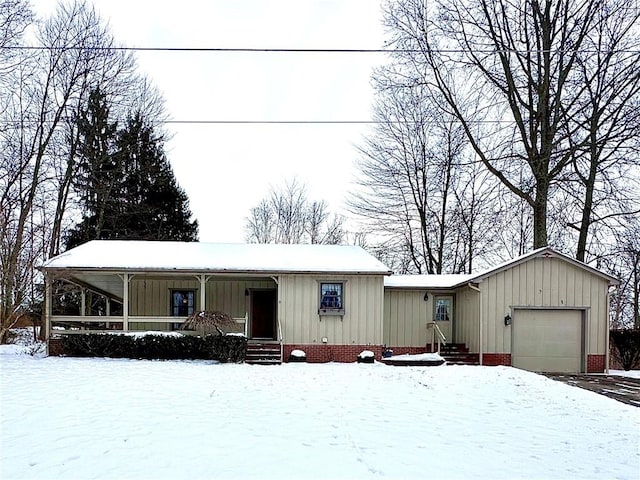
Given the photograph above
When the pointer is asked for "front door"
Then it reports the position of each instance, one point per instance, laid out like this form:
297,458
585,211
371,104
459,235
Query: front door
443,315
263,313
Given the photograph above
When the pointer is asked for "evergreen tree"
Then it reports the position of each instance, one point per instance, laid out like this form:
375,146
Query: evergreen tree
99,171
125,182
154,206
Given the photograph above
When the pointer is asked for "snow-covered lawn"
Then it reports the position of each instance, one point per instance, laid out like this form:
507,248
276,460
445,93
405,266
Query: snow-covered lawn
65,418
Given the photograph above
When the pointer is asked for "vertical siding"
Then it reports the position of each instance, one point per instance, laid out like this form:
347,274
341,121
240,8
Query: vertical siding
151,296
466,322
298,297
542,282
406,315
228,296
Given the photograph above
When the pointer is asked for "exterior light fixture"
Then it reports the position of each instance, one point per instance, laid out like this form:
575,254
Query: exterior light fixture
426,296
507,319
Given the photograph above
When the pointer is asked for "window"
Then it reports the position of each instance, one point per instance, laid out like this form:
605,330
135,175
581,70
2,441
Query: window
443,309
331,298
182,304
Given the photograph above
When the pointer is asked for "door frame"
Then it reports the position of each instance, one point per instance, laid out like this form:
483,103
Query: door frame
275,311
451,322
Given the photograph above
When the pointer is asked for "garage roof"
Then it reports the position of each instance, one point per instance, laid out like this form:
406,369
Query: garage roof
139,255
454,281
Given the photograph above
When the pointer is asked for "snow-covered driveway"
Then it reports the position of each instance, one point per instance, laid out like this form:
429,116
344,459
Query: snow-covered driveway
66,418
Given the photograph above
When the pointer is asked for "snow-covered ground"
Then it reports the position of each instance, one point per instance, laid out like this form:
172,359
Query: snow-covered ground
628,373
65,418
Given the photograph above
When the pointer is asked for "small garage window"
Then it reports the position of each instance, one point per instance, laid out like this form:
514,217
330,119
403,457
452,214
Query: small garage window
443,308
331,298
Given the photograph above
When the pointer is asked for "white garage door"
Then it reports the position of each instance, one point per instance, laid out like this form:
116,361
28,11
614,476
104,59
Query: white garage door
547,340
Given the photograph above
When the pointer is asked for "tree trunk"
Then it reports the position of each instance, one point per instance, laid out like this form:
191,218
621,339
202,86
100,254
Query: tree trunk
540,214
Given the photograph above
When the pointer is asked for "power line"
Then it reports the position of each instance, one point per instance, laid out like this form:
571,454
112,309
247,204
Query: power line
273,122
292,50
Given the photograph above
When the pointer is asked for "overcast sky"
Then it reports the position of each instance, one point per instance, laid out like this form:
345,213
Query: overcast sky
227,169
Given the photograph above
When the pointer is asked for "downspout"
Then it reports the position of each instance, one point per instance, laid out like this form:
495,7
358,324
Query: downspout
473,287
607,340
278,324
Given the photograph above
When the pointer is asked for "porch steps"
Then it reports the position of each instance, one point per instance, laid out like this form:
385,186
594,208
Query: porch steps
263,352
458,354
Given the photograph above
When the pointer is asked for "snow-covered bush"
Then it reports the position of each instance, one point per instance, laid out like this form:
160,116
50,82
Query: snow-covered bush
298,356
366,356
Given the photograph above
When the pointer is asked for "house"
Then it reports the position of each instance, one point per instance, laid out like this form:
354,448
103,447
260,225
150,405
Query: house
324,299
543,311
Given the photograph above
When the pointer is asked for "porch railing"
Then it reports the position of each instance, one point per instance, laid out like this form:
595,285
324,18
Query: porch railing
74,324
279,328
437,337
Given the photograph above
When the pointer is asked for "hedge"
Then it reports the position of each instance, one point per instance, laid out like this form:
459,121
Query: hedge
224,348
625,347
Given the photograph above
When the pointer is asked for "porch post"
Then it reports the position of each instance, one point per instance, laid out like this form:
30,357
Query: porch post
203,293
125,302
47,306
107,312
83,302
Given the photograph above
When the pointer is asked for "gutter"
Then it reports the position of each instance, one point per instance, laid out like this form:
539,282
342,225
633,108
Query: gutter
473,287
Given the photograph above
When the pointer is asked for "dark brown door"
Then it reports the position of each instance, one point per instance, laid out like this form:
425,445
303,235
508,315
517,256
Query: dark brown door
263,313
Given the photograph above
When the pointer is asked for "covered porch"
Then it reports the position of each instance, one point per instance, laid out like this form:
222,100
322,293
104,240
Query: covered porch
135,301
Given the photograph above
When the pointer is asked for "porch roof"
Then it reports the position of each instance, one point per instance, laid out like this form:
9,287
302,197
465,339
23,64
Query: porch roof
154,256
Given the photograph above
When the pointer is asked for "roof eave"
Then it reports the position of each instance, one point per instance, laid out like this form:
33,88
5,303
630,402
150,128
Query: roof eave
213,271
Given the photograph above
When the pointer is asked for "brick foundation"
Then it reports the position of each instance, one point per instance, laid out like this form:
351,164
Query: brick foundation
494,359
331,353
595,363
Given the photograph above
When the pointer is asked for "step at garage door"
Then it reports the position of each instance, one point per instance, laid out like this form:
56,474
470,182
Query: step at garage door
547,340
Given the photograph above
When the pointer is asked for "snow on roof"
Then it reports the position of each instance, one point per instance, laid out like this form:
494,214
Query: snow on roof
451,281
216,257
425,281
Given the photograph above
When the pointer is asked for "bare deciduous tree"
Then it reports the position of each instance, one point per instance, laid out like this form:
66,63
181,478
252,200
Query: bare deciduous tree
420,189
41,91
287,216
505,71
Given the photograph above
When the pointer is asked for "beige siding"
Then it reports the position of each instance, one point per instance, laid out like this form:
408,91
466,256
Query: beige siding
150,296
540,282
466,329
229,296
406,315
298,298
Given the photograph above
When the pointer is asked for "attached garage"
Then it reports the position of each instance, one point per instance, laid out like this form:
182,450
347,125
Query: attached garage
543,311
548,340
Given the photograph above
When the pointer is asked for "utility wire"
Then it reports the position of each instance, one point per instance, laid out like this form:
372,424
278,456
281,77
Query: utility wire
293,50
